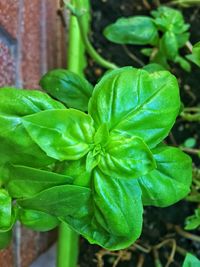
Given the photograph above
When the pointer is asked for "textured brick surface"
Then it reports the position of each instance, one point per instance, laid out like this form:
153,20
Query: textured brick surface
31,42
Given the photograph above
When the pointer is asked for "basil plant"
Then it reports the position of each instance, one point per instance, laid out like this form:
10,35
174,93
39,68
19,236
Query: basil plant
164,34
94,158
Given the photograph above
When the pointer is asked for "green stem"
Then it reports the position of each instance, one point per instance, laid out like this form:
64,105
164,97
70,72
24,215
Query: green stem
67,250
184,2
80,14
68,240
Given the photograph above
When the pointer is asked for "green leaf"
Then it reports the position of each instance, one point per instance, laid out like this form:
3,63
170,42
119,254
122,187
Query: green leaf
18,102
26,182
16,146
134,102
126,158
37,220
68,87
193,221
58,200
182,38
190,142
191,261
153,67
167,18
77,170
5,209
183,63
147,51
5,238
195,56
160,58
138,30
171,181
62,134
169,45
113,218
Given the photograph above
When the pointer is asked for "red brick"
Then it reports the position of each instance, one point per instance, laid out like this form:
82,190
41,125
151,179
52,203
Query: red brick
9,12
32,40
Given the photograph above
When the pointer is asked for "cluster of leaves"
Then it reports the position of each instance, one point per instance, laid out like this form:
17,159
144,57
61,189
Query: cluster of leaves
93,170
165,32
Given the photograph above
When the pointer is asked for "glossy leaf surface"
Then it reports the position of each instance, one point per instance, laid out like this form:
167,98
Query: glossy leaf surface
110,219
26,182
170,181
148,112
37,220
68,87
126,158
138,30
58,200
62,134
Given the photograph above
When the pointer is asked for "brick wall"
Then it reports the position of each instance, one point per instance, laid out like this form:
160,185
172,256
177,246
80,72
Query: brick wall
32,40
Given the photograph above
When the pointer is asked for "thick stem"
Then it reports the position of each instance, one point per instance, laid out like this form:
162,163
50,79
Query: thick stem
68,240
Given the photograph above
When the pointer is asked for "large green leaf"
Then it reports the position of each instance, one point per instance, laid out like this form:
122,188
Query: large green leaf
138,30
37,220
126,158
68,87
170,182
113,218
62,134
26,182
59,200
134,102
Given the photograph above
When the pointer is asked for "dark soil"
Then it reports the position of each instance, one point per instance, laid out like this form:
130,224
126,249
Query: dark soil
160,225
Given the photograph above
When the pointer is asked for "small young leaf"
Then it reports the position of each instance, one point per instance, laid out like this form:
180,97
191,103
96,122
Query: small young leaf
167,18
193,221
169,45
138,30
126,158
77,170
170,181
62,134
68,87
183,63
37,220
